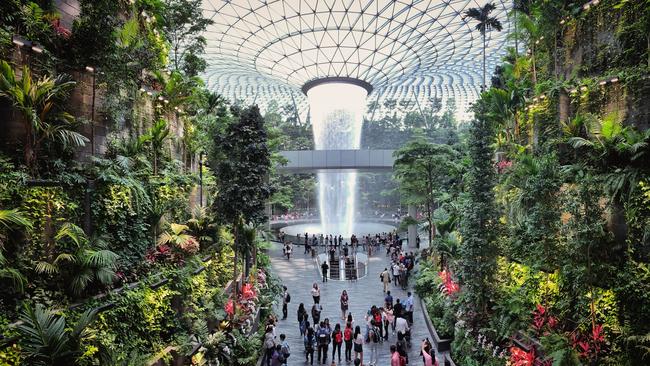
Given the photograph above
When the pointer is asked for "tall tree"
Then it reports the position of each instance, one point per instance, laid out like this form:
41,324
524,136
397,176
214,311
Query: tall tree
425,172
242,163
183,25
40,103
478,250
485,24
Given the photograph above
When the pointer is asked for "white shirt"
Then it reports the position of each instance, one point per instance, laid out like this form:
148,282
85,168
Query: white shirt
395,270
315,292
401,325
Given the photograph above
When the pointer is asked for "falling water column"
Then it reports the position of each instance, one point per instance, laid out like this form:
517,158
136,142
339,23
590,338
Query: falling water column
337,110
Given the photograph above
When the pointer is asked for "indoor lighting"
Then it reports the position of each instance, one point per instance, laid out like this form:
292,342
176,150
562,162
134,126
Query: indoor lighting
149,93
542,96
602,82
160,97
37,49
142,89
584,88
573,91
166,101
19,41
562,21
614,80
586,6
90,69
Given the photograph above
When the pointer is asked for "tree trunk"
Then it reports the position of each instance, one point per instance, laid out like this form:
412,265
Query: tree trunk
484,81
234,273
532,49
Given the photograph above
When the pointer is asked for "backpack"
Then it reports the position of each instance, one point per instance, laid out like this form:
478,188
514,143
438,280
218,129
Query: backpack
322,337
287,299
402,361
309,346
376,336
338,337
347,334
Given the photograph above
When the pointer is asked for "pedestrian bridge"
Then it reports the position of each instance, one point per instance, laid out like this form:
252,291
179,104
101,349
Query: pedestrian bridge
309,160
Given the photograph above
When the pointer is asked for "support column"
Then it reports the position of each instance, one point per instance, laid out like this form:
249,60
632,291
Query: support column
412,229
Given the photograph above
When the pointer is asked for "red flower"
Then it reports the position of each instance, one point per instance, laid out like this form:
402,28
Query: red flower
60,30
519,357
229,308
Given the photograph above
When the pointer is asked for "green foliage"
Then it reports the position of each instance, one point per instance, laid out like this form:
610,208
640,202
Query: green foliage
40,102
477,226
242,165
47,341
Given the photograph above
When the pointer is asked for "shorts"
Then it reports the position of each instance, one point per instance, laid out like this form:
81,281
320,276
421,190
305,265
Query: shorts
358,347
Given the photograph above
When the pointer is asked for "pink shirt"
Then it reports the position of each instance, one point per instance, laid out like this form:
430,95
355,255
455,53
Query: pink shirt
428,360
394,359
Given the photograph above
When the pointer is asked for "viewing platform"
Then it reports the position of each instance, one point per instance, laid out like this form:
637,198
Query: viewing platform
303,161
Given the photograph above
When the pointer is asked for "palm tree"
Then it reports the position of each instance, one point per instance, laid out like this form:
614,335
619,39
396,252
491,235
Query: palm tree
485,24
9,219
46,339
156,136
88,261
39,103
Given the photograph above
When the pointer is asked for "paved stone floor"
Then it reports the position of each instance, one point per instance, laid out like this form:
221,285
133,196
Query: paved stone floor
301,272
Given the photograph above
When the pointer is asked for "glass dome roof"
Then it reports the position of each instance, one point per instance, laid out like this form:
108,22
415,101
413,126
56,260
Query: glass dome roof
407,50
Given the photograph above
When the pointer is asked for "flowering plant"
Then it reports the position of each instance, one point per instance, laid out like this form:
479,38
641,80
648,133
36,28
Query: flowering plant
503,165
589,345
541,318
519,357
448,287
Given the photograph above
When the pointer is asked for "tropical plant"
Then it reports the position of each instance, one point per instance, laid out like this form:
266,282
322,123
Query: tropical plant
47,340
8,220
203,226
179,238
40,103
85,261
243,163
426,172
485,24
156,136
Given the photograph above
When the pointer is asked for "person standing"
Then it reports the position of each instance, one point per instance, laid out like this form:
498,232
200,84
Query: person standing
374,340
358,344
315,293
303,319
286,299
344,304
337,341
269,344
388,300
324,267
385,279
427,357
347,338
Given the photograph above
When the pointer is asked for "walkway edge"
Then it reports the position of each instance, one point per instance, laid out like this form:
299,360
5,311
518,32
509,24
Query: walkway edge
446,358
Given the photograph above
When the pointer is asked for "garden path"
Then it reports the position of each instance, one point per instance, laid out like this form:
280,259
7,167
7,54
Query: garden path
299,273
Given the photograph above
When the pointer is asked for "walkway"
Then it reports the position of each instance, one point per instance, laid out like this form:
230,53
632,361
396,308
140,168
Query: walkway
301,272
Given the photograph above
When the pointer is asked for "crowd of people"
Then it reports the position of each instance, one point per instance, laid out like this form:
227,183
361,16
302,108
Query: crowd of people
358,339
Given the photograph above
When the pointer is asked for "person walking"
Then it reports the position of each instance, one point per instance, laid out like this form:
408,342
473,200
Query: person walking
323,339
344,304
286,299
395,269
310,344
316,309
285,350
358,344
395,358
409,305
303,319
315,293
337,341
324,267
347,338
385,279
388,319
374,340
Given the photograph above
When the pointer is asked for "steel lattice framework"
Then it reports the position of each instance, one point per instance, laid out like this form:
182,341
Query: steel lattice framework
409,51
